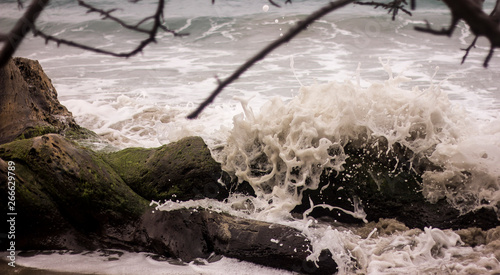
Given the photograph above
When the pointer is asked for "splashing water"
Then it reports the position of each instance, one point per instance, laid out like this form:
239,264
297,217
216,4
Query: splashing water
285,148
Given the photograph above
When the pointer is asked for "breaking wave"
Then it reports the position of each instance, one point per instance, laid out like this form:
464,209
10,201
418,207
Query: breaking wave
287,146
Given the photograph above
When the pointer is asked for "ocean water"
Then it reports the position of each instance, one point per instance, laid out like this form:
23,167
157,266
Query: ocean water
353,73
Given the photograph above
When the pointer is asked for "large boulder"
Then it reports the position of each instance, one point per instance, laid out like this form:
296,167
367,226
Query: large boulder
28,104
66,195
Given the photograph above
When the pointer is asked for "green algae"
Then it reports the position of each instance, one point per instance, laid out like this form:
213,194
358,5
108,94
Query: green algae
53,170
181,170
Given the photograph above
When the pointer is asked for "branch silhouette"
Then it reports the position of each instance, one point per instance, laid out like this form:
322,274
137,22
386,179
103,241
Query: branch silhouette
26,24
481,24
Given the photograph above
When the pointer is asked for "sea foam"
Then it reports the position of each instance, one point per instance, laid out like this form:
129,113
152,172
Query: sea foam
284,149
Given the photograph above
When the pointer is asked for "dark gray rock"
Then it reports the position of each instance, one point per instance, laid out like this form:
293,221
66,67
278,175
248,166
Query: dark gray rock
387,184
196,233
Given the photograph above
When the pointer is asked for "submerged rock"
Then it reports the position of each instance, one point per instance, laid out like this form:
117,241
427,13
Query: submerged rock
383,227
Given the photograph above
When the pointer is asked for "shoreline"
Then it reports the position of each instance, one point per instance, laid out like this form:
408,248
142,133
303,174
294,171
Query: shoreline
23,270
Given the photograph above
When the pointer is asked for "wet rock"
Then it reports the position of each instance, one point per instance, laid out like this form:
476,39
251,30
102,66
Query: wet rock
383,227
66,195
29,106
493,234
196,233
472,236
70,197
182,170
489,239
388,184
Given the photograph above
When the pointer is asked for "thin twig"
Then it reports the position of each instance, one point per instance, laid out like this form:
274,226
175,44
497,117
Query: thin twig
472,45
274,3
269,48
443,31
70,43
157,25
488,57
107,15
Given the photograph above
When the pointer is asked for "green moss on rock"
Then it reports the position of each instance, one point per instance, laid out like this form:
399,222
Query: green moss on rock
181,170
60,183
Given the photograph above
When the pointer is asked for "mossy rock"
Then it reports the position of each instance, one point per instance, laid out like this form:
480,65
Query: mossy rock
63,190
181,170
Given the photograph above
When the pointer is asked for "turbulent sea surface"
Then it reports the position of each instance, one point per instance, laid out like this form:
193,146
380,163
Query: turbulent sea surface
353,72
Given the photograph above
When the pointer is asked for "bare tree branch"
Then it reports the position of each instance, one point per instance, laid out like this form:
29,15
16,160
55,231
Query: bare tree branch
157,25
107,15
26,23
269,48
481,24
495,15
393,6
22,27
488,57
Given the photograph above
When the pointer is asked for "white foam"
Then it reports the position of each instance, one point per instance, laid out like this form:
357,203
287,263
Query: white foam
402,252
286,146
129,122
128,263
